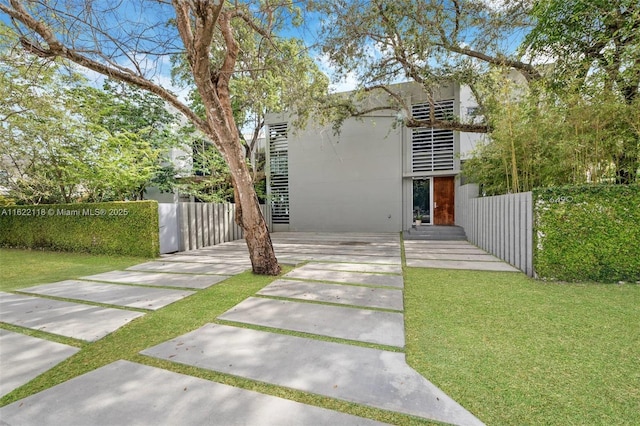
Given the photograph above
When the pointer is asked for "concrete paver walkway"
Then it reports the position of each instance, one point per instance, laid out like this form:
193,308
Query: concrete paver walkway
367,376
190,268
23,358
364,325
159,279
370,297
364,278
452,255
75,320
125,393
79,320
111,294
360,270
354,267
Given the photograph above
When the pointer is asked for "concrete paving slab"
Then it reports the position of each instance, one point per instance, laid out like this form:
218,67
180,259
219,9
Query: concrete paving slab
111,294
355,267
366,376
370,297
418,252
345,243
462,264
365,257
363,325
227,260
289,261
334,252
325,249
455,256
315,237
126,393
189,268
159,279
222,249
347,277
23,358
436,245
390,260
75,320
317,250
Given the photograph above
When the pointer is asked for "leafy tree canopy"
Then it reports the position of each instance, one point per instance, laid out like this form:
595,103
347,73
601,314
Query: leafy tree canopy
580,122
63,141
124,41
557,81
587,38
429,42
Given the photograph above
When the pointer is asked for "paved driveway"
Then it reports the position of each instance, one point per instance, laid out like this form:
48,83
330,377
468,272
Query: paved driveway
349,291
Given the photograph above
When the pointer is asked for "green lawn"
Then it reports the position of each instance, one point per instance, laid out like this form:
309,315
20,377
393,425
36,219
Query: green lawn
518,351
23,268
154,328
510,349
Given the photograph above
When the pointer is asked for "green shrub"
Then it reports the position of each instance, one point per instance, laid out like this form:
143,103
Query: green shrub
124,228
587,233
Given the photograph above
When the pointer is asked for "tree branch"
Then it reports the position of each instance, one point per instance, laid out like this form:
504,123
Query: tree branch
527,70
410,121
447,125
57,49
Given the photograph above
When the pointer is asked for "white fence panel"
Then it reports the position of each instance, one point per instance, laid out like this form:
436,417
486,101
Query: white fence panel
190,226
168,221
502,225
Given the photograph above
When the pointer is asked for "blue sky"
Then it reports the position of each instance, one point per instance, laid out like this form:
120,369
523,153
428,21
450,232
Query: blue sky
148,15
151,13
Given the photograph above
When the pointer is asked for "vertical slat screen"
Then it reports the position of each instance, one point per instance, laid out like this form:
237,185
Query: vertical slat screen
432,149
501,225
279,172
207,224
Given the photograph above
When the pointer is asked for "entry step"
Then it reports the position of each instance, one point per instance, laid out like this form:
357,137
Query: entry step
440,233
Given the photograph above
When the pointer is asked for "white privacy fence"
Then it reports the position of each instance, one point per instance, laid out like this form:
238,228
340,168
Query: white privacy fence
190,226
502,225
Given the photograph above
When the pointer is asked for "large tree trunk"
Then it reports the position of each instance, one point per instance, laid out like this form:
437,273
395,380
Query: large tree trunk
196,20
213,86
248,214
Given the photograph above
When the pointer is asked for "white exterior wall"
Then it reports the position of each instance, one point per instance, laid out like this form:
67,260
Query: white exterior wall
361,179
347,182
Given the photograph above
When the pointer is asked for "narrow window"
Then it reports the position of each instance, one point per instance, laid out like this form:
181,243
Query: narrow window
279,173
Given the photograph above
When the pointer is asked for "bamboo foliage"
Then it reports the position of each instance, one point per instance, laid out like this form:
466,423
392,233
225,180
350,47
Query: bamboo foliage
545,138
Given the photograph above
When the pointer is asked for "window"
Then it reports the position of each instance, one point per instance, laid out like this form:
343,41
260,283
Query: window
432,149
279,173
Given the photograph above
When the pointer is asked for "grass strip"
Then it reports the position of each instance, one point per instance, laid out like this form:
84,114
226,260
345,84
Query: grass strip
510,349
24,268
172,321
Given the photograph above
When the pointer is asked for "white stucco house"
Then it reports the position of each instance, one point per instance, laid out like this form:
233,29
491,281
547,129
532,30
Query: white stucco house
376,175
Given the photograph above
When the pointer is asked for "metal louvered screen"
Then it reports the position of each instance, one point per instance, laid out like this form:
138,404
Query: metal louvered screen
279,172
432,149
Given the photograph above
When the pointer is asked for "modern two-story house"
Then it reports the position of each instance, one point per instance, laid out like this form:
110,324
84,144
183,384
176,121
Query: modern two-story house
376,175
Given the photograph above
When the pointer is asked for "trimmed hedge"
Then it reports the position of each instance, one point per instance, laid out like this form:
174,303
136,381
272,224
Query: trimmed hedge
123,228
587,233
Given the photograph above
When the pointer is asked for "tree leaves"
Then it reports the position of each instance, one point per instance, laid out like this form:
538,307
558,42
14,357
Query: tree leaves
64,141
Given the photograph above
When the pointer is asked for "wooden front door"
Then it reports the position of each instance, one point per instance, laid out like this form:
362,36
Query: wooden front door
444,200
